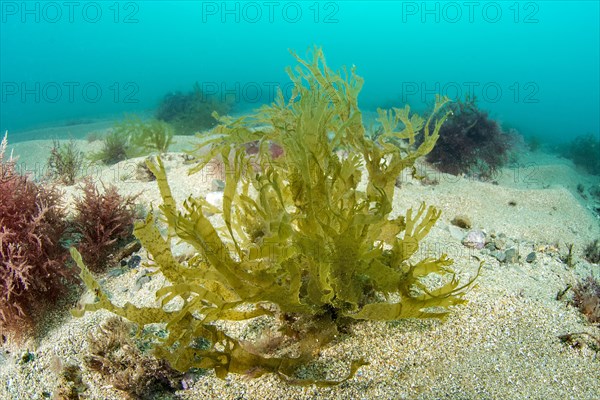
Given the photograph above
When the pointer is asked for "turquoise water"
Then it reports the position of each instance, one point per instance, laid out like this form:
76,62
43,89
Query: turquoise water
533,64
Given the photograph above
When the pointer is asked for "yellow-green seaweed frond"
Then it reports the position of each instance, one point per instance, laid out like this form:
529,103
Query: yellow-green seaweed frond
302,235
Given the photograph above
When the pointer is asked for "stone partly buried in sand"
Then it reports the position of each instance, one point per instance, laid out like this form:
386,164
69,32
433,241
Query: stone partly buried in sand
508,256
462,221
531,257
511,256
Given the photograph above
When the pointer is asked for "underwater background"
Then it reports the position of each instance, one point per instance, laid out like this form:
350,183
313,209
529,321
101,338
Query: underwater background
532,64
333,244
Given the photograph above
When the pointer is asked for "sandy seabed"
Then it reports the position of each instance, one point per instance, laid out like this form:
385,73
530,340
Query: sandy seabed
503,344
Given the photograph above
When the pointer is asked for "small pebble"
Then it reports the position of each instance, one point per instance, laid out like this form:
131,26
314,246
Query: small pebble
142,280
217,185
500,243
512,256
134,261
474,239
498,255
117,271
27,357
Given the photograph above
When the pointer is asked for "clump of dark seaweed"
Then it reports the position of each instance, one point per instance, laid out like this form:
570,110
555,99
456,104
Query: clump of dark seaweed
93,136
302,242
115,148
145,137
103,223
70,383
587,298
133,137
568,258
32,261
114,355
65,162
581,339
533,142
584,151
592,252
191,112
471,142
